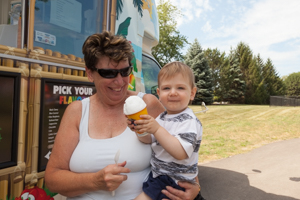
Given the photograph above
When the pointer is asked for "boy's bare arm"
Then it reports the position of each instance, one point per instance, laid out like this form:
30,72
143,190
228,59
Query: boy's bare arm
170,143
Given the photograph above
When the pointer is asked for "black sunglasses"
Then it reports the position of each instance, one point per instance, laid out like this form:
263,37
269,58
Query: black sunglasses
113,73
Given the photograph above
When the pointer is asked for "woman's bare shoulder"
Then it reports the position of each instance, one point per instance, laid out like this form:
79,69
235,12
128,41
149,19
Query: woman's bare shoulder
154,106
75,106
73,112
150,99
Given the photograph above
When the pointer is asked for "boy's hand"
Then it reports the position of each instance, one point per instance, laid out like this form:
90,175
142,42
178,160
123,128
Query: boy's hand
146,124
130,124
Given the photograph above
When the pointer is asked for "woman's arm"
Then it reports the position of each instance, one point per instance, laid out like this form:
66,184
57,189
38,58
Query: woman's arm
58,176
154,106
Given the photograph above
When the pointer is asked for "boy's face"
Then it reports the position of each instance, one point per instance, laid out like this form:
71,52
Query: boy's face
175,93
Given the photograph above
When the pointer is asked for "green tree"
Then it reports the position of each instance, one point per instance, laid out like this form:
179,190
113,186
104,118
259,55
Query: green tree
256,85
292,83
171,42
215,60
245,57
232,85
195,58
221,86
274,84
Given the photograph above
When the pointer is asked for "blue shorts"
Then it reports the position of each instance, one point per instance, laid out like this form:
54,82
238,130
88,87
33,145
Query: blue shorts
153,186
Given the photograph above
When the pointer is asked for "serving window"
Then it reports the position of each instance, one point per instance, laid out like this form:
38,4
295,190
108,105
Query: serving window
9,118
10,12
63,25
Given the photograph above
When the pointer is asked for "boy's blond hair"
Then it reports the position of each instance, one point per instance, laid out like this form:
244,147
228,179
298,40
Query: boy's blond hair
173,68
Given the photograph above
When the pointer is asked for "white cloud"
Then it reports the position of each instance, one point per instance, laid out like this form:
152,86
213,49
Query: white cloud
269,27
272,22
204,3
267,23
207,27
190,9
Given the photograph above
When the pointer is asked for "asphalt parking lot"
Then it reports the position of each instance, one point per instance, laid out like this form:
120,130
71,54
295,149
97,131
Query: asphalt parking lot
271,172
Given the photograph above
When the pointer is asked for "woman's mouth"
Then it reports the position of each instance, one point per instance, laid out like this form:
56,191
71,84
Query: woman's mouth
116,89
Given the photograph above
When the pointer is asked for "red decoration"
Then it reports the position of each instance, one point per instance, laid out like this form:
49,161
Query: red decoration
35,193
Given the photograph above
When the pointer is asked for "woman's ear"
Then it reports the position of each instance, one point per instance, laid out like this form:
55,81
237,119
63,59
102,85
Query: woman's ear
89,74
193,93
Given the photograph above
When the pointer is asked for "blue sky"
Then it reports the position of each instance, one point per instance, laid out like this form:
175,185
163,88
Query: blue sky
270,27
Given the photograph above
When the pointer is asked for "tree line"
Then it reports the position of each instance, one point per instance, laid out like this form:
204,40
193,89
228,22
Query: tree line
239,77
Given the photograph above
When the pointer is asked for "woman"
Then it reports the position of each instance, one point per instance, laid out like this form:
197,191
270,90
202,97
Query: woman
82,163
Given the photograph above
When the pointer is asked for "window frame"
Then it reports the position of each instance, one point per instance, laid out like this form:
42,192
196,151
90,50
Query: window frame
158,65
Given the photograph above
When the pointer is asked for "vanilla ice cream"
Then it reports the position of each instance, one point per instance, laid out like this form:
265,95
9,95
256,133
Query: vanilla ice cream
133,104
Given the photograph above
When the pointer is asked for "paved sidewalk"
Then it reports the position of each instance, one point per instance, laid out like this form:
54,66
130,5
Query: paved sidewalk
271,172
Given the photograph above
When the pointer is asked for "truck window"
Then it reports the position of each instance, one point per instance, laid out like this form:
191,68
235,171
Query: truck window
9,17
150,72
63,25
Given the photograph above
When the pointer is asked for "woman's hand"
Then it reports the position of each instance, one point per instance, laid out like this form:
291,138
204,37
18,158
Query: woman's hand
191,191
110,177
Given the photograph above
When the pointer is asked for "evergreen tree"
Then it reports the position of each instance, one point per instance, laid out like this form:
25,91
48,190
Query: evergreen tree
196,60
274,84
245,56
260,64
233,87
222,87
256,85
215,60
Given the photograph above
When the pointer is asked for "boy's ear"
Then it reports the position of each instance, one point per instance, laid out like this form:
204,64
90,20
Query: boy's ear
193,93
157,91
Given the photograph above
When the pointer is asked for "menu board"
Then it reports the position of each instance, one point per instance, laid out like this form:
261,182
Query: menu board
56,95
67,14
9,118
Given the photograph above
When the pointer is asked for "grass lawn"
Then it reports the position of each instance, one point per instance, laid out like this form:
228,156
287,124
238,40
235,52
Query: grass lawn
234,129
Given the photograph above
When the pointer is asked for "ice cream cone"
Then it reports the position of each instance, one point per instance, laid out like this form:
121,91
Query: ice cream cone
134,107
136,116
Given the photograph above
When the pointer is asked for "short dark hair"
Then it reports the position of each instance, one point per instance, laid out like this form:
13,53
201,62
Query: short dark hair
115,47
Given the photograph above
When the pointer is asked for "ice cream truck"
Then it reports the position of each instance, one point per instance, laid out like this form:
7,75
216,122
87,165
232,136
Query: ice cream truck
42,71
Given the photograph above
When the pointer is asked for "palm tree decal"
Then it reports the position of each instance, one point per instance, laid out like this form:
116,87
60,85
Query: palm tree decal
137,3
119,7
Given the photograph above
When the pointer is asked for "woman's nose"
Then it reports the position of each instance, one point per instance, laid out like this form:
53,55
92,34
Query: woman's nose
119,79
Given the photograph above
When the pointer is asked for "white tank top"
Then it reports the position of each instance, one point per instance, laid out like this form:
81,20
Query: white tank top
92,155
